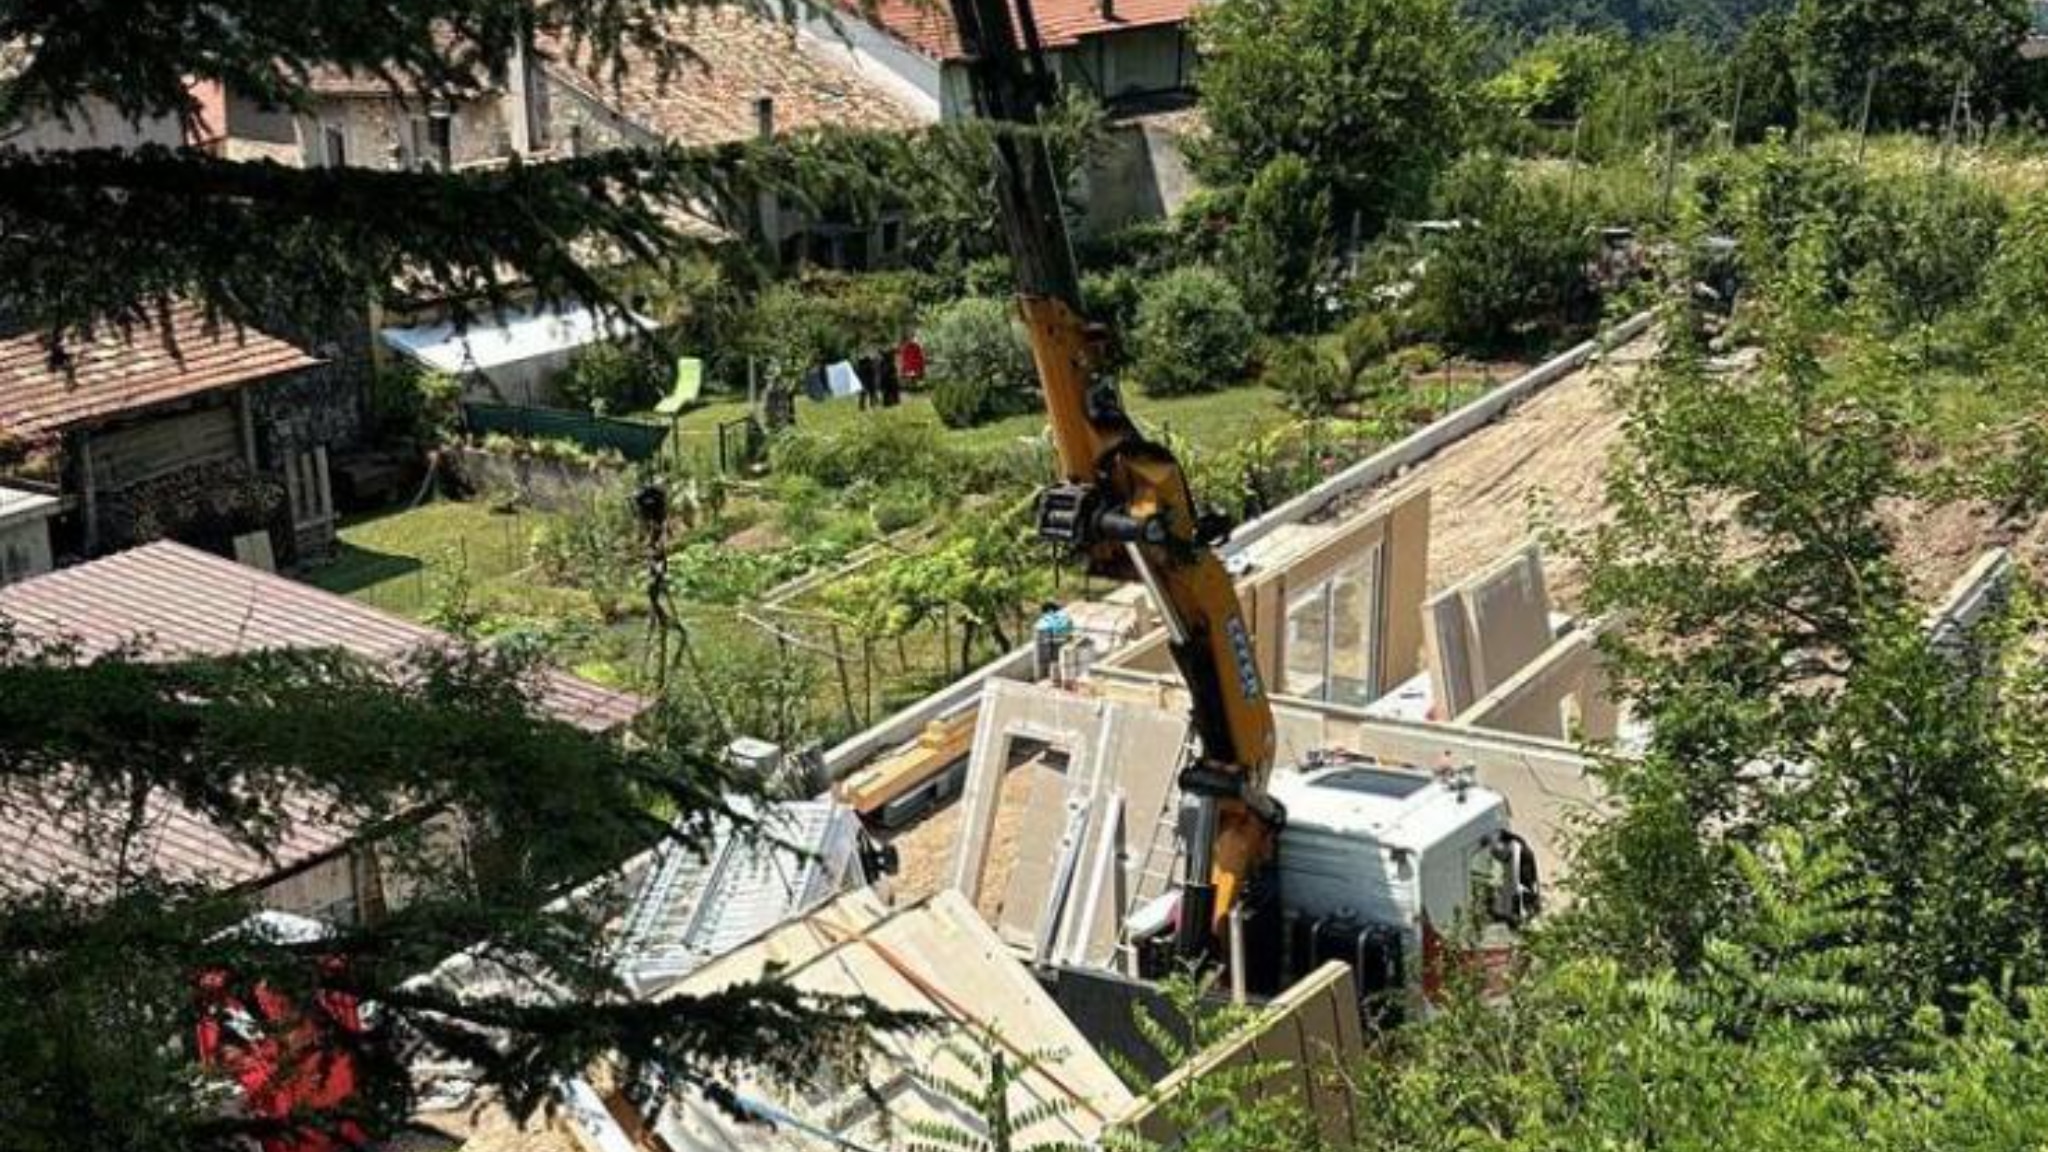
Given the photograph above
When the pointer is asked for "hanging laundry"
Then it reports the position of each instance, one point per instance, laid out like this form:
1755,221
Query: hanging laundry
841,379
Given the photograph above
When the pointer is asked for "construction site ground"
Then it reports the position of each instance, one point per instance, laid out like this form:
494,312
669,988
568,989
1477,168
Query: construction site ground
1542,465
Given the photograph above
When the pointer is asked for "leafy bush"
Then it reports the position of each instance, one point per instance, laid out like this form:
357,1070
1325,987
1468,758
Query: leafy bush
1522,261
979,362
1111,299
711,573
599,551
611,377
900,506
1315,382
410,403
1193,334
551,449
1279,251
988,276
890,446
1369,338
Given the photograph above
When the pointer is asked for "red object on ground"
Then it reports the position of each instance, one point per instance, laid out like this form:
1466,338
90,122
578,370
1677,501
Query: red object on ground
910,360
285,1060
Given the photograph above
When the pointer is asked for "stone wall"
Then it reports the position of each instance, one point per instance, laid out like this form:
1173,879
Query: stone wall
546,485
319,406
579,124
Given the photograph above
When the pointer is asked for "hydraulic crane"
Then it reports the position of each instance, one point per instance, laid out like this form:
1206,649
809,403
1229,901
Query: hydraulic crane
1124,501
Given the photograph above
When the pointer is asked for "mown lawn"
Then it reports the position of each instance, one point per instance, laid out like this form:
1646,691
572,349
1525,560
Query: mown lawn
1217,419
400,561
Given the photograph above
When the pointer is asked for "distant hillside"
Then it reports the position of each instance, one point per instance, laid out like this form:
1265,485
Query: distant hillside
1718,20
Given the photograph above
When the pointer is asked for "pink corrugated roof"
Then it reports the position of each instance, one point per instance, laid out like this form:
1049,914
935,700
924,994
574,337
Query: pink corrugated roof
165,357
927,25
183,602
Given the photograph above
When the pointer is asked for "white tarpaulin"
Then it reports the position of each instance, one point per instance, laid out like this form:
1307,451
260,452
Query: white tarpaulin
516,351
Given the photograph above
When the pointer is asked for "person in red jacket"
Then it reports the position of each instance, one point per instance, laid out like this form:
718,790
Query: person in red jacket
910,363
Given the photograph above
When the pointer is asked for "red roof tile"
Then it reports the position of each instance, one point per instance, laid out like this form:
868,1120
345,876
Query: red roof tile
183,602
166,357
927,25
733,58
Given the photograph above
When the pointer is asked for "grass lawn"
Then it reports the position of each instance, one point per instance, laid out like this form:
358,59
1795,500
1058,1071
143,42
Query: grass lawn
398,560
1212,420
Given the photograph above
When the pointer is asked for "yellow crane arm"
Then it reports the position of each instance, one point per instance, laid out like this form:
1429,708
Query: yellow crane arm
1124,500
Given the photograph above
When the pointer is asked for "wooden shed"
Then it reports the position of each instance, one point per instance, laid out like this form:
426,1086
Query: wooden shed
176,426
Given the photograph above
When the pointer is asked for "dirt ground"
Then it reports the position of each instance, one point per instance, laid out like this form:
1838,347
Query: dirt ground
1545,463
925,849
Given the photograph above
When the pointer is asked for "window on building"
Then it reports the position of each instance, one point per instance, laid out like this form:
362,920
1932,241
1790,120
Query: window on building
1308,643
433,142
334,146
1331,649
539,113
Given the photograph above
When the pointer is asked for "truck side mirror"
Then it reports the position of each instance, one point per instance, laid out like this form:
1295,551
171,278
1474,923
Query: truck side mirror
1517,896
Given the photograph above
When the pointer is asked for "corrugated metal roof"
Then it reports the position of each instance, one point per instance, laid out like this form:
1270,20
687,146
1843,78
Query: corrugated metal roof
169,356
697,906
184,602
929,28
193,603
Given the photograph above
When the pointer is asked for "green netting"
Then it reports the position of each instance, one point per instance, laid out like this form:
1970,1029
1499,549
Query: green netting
629,438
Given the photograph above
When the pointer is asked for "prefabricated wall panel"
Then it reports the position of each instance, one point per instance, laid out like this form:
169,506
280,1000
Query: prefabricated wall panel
1311,1033
1548,784
1122,760
1533,702
1509,609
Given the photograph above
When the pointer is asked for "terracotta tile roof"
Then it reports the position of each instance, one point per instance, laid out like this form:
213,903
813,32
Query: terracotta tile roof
735,57
185,602
163,358
927,25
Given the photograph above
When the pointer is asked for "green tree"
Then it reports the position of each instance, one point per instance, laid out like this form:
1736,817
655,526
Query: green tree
1519,263
97,976
1913,57
1371,94
979,362
1279,249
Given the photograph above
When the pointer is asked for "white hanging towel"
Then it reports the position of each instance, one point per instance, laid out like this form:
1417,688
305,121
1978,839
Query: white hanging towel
842,380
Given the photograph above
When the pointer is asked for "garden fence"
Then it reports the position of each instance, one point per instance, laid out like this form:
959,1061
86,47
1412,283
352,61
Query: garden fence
629,438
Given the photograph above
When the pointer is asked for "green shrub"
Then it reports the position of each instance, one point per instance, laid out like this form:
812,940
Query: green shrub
411,403
1111,298
1279,251
1193,334
601,551
1369,338
611,377
979,362
887,447
1315,382
988,276
1522,261
900,506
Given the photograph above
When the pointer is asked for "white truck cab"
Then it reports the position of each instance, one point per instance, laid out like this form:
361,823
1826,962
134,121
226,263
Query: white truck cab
1380,866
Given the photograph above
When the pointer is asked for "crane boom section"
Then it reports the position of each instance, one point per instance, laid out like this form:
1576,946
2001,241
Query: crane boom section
1124,500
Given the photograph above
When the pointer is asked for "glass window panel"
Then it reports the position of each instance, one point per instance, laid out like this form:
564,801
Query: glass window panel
1353,614
1308,644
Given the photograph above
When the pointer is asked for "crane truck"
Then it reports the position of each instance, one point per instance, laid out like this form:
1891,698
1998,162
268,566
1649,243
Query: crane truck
1375,861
